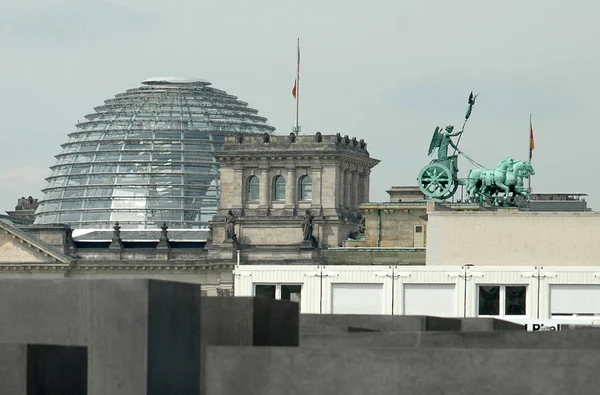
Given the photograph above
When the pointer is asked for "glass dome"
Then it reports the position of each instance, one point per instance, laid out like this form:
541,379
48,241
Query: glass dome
144,157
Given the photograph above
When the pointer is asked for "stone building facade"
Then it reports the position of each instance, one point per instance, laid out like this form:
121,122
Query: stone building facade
405,194
25,209
267,182
51,251
511,237
270,183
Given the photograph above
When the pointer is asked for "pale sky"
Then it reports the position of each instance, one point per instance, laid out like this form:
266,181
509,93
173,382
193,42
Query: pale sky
388,71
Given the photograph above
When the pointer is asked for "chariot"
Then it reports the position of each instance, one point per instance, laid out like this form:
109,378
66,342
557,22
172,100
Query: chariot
439,179
502,186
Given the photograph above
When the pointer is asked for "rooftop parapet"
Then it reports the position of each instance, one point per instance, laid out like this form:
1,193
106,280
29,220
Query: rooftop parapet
314,142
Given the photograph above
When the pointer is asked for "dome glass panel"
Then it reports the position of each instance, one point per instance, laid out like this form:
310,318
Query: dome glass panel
145,156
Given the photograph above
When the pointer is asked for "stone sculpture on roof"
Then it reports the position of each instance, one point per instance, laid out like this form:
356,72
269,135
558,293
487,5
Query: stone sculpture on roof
502,186
230,227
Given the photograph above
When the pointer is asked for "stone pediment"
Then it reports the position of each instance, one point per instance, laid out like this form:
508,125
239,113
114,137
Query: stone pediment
18,246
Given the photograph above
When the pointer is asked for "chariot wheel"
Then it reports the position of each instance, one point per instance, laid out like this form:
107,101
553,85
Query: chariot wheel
437,181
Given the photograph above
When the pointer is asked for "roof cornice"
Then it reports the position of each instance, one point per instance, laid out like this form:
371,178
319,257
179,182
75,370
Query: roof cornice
34,242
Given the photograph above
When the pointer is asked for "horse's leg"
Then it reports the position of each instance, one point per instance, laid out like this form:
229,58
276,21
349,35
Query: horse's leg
494,197
482,193
473,193
477,186
510,196
471,186
468,189
516,185
473,189
506,190
486,194
519,190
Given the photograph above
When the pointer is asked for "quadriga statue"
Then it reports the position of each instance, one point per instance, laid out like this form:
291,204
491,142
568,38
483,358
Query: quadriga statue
507,177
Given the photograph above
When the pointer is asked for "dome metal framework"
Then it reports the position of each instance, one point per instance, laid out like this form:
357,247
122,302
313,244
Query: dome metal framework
144,157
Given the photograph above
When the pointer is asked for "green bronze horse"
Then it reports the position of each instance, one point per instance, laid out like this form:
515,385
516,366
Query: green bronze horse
507,177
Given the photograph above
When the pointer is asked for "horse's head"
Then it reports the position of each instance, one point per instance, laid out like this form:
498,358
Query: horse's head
529,168
505,163
524,169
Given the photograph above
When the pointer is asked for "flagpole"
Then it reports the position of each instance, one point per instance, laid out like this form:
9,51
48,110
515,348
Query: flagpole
297,126
530,152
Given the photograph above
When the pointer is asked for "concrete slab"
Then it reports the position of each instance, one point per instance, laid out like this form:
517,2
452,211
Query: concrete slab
485,324
41,369
359,371
143,336
56,370
13,369
384,323
580,339
248,321
323,329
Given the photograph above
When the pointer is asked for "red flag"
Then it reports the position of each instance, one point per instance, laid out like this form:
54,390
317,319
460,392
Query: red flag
531,140
295,89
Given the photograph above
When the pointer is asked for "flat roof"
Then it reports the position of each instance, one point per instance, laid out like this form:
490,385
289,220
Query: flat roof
141,235
558,193
175,81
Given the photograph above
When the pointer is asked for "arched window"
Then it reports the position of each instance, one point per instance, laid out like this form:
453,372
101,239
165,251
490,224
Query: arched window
252,191
279,188
305,188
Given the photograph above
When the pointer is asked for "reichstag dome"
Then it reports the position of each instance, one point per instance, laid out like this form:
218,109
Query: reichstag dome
144,157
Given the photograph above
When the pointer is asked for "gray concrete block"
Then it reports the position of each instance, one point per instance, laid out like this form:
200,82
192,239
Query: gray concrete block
43,369
572,327
13,369
130,327
248,321
352,329
323,329
364,339
485,340
581,340
55,369
384,323
326,371
276,322
473,324
174,320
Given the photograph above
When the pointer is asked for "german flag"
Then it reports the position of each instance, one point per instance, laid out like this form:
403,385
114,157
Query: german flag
531,140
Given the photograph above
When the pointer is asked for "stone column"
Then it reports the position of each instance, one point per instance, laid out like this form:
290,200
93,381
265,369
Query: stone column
347,189
361,188
264,188
354,199
315,176
290,192
290,187
366,186
341,187
238,196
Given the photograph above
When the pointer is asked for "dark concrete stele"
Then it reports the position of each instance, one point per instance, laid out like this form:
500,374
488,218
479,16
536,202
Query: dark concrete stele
359,371
385,323
247,321
33,369
142,336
